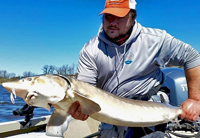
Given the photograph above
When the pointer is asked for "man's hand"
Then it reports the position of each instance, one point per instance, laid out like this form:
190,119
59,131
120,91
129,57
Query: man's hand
75,111
191,110
191,107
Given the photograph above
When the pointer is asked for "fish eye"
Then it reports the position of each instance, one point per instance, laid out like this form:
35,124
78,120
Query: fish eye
29,79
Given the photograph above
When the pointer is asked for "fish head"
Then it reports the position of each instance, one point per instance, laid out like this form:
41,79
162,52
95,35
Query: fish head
19,87
38,91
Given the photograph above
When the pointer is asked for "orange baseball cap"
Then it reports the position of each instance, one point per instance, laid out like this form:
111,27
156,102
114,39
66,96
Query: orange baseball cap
118,8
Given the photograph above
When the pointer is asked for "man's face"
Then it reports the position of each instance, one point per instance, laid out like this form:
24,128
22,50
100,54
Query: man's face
117,26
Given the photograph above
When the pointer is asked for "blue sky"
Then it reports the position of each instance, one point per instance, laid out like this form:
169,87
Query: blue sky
34,33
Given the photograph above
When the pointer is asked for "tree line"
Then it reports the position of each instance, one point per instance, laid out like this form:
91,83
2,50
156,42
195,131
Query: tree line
65,70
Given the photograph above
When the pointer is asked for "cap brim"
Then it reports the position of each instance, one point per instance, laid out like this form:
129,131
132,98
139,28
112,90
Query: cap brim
120,12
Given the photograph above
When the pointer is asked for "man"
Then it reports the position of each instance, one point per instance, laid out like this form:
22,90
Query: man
125,59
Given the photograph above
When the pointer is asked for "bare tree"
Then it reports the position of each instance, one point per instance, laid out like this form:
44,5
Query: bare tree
3,74
49,69
28,74
45,69
63,70
58,70
11,75
73,69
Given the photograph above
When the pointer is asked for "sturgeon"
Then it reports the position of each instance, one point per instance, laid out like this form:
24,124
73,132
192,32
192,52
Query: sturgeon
61,92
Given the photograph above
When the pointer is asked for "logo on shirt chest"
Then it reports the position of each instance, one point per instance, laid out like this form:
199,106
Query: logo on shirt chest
128,59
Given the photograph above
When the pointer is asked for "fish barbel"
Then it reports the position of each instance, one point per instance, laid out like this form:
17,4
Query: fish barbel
61,92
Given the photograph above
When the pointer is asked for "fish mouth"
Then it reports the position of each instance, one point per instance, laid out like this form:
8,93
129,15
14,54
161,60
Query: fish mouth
31,96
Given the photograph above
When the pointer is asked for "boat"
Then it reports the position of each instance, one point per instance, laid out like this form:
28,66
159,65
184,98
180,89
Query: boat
76,129
36,128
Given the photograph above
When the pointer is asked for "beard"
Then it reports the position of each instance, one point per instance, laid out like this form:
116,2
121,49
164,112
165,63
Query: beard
121,38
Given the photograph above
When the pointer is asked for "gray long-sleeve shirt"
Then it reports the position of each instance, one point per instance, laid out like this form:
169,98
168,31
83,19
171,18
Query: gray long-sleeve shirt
133,68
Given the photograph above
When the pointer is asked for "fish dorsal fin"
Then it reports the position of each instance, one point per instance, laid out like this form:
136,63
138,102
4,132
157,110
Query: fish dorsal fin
87,106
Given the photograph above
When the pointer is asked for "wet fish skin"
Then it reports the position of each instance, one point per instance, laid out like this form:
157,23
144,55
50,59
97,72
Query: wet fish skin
61,92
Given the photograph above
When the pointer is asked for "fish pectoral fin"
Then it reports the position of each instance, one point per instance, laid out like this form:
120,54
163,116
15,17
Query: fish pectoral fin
87,106
58,123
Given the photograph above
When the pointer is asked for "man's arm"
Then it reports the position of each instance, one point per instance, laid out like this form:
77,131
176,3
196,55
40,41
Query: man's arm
191,107
87,72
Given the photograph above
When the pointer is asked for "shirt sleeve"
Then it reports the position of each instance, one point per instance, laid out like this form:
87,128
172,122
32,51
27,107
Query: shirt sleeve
177,53
87,70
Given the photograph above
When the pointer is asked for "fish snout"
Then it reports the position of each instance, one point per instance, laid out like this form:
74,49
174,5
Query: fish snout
15,89
7,86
